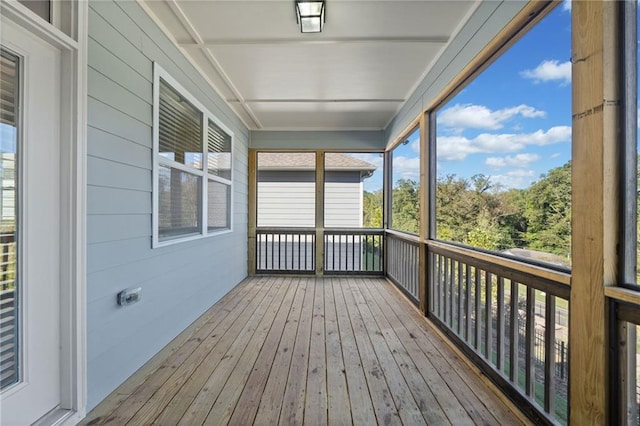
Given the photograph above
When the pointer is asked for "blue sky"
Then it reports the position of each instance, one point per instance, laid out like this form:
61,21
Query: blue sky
513,122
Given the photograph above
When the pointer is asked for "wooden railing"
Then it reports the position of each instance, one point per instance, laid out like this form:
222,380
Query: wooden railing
354,251
286,250
402,253
504,317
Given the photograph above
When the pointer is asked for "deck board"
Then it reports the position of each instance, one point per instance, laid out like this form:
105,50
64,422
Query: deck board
307,350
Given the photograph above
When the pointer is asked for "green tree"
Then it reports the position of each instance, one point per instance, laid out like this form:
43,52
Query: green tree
372,209
548,212
405,205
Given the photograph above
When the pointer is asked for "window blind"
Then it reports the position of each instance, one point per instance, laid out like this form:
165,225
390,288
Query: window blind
180,130
219,151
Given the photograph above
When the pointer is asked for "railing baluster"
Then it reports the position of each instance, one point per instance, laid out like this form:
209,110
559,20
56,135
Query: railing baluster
445,287
549,353
286,250
478,308
529,342
460,299
451,286
273,242
515,334
353,252
440,295
468,304
488,344
500,326
431,280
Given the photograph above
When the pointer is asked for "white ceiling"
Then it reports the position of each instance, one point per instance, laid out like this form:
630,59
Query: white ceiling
355,75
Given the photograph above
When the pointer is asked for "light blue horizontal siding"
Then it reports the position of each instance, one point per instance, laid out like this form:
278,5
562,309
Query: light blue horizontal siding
179,282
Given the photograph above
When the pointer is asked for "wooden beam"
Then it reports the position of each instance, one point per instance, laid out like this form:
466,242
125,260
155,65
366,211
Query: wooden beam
320,213
253,210
595,210
424,211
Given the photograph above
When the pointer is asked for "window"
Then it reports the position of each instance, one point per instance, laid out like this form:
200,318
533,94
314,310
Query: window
10,294
193,166
405,182
503,151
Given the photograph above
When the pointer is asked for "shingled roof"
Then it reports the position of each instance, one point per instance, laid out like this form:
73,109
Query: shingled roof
306,161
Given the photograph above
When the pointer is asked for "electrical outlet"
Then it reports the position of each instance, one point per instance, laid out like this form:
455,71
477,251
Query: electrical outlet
129,296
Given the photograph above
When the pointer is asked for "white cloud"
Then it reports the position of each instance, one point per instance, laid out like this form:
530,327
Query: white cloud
566,5
375,159
550,70
415,146
521,160
496,162
481,117
458,147
507,181
521,173
555,155
406,168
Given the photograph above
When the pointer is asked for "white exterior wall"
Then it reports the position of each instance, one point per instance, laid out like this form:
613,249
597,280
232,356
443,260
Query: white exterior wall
287,199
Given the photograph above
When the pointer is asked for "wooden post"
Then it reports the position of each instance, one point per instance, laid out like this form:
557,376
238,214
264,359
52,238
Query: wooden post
595,210
387,186
424,211
320,213
253,211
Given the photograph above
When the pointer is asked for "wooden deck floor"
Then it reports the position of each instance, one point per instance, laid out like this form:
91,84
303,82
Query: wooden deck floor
306,351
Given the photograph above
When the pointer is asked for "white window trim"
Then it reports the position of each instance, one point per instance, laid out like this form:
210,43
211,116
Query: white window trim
158,73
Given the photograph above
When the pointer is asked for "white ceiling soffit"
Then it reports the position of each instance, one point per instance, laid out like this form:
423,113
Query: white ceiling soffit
355,75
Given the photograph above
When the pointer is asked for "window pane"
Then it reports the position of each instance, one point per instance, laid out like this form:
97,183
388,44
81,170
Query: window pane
286,189
9,295
178,203
405,195
504,151
42,8
219,152
353,190
218,206
180,130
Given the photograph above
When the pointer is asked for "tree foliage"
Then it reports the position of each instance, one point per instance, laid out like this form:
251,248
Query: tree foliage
481,213
405,206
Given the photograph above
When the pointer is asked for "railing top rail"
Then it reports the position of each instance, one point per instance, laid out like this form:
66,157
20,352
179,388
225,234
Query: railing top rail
403,235
285,230
554,282
354,231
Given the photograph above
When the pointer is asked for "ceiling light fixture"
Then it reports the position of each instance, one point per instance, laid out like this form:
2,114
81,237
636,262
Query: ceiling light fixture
310,15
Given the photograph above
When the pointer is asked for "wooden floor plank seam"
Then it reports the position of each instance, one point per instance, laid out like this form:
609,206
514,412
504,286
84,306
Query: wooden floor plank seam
360,397
292,409
406,404
211,369
427,402
471,397
222,406
307,350
384,404
129,408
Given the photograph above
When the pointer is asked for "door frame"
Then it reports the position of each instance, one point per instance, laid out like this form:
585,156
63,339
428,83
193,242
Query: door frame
69,34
